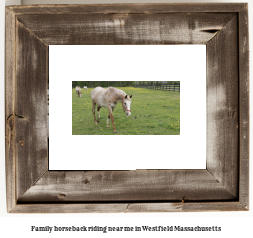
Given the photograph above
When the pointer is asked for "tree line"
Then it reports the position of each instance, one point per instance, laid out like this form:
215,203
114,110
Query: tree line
93,84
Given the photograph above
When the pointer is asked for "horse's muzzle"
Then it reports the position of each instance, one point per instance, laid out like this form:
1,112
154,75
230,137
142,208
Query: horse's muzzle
128,114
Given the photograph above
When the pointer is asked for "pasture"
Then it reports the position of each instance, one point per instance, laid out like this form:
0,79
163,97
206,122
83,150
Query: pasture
154,112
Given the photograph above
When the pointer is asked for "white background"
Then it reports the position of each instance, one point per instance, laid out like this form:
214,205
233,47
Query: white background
184,63
234,224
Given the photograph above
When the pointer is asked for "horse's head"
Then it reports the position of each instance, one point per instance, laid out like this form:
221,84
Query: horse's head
126,104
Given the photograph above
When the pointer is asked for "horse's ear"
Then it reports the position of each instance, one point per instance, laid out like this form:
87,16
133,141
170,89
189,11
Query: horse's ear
126,97
131,96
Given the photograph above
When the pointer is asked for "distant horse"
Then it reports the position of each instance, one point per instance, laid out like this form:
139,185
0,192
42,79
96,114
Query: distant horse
109,98
85,88
78,91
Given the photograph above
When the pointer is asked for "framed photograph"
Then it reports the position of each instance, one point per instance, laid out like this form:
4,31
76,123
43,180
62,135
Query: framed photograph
32,35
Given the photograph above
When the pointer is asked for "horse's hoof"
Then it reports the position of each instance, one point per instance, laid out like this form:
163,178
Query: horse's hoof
107,126
96,123
115,132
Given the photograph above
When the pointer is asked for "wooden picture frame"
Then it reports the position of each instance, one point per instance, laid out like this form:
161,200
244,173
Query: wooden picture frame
222,186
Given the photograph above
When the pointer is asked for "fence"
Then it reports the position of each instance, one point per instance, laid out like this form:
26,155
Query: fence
161,86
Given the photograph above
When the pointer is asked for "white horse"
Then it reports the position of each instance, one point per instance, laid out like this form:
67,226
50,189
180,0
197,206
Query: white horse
85,88
78,91
109,98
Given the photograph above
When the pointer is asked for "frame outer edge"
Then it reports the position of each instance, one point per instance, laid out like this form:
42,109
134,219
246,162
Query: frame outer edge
10,70
129,207
150,8
244,106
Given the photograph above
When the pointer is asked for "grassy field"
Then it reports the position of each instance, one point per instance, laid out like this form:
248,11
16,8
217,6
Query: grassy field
153,112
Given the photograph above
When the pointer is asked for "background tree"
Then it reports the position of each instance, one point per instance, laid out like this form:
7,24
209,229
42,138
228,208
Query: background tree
106,84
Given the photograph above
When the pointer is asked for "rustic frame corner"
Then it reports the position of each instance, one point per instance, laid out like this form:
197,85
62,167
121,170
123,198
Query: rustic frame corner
223,186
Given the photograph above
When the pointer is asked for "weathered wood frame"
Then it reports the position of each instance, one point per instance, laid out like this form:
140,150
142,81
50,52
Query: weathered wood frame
222,186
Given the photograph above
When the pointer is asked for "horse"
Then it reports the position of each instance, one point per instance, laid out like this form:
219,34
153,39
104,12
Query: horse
109,98
78,91
85,88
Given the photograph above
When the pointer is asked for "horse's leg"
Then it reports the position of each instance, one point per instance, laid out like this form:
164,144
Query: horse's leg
98,108
108,120
112,119
93,111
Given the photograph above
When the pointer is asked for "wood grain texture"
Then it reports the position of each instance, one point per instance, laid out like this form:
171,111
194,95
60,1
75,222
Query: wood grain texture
244,106
121,29
223,186
129,8
222,107
9,109
140,185
30,109
129,207
186,207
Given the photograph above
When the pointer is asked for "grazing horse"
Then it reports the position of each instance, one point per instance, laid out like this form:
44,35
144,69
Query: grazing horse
78,91
109,98
85,88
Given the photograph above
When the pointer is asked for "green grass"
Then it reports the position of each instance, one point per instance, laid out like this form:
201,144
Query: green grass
154,112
